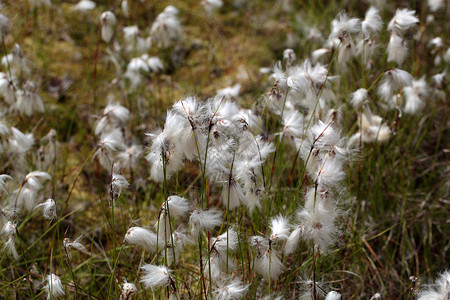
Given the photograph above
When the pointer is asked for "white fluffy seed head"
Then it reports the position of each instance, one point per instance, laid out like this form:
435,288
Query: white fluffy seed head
178,206
269,265
230,290
228,240
372,22
333,296
439,290
279,229
49,209
403,20
155,276
204,220
144,238
54,287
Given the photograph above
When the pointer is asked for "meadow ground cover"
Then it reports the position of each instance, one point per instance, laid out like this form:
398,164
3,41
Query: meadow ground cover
224,150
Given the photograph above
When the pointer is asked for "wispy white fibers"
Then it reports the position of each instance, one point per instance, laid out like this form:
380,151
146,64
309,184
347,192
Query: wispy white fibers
156,276
437,291
144,238
54,287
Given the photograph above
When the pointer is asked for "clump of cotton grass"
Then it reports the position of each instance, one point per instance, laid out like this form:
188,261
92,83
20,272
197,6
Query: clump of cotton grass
373,129
392,80
220,259
127,290
54,287
165,155
9,231
129,158
118,183
48,150
166,30
229,93
416,94
204,220
342,29
76,244
3,178
174,207
28,100
267,259
8,88
371,126
108,21
289,57
230,290
318,219
134,42
144,238
17,62
403,20
114,116
109,144
25,196
156,277
84,6
49,209
19,142
211,6
333,296
438,290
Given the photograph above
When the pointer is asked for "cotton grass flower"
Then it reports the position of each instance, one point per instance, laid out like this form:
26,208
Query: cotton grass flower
26,195
54,287
397,49
144,238
108,21
8,88
118,183
16,61
49,209
440,290
3,178
9,231
166,29
392,80
372,22
165,153
84,5
76,244
211,6
416,96
28,101
333,296
204,220
156,277
127,290
230,290
403,20
436,5
114,115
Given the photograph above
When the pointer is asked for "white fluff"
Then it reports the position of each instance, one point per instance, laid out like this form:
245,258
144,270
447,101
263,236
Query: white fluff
54,287
155,276
144,238
204,220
